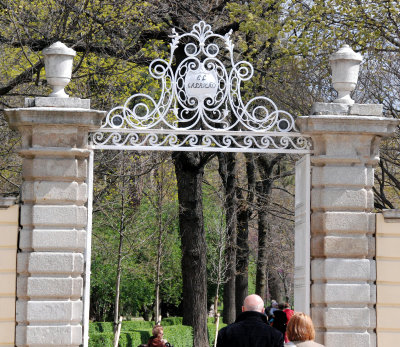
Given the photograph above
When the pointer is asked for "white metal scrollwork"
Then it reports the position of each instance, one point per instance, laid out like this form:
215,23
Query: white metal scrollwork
199,106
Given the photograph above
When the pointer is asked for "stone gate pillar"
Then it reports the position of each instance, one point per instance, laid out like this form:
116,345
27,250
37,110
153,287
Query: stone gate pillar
346,143
50,261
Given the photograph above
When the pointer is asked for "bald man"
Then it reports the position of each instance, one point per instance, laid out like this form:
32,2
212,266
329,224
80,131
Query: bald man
251,328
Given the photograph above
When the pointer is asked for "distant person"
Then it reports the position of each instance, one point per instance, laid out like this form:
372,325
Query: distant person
279,322
289,312
251,328
157,340
300,331
274,306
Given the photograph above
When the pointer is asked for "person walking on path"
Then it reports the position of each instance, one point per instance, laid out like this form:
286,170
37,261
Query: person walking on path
289,312
251,328
301,332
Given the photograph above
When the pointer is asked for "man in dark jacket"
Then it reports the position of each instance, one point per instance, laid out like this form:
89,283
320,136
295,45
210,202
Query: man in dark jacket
251,328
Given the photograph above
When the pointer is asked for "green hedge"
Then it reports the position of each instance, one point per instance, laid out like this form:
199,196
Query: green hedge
134,333
101,327
179,335
101,339
135,325
171,321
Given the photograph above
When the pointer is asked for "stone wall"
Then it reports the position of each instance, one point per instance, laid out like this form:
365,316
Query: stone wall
388,278
8,252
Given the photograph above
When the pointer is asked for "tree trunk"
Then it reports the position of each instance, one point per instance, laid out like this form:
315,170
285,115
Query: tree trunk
227,171
262,257
242,277
265,167
275,287
243,215
189,173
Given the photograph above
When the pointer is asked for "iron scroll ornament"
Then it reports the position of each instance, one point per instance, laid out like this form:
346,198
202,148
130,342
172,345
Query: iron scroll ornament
200,105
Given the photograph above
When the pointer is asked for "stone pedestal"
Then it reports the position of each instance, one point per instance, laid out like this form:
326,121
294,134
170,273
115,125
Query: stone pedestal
50,262
343,295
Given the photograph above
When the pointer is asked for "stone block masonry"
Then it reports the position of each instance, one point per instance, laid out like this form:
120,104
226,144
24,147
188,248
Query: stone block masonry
388,277
8,258
50,263
343,290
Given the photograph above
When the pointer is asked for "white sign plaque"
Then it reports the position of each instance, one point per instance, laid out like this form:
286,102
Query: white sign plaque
201,83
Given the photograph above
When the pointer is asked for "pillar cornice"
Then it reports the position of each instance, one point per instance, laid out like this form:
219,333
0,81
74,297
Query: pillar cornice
54,116
343,124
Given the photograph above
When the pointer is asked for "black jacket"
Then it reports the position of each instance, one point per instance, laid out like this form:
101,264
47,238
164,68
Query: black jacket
250,329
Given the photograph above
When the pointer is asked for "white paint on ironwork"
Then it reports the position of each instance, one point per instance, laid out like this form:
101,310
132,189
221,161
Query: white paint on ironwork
203,93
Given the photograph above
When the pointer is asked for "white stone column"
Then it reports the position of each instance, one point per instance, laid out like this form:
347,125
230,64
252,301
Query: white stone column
50,262
343,295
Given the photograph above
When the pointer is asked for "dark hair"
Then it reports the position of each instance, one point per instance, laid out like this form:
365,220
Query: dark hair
279,321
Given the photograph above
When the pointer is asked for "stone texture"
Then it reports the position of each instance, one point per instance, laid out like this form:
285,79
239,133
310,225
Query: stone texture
48,192
53,218
348,339
7,284
341,269
64,169
53,240
333,176
339,199
63,335
343,222
321,108
51,263
39,101
343,293
53,287
50,311
7,310
339,246
7,331
388,277
342,318
391,216
346,147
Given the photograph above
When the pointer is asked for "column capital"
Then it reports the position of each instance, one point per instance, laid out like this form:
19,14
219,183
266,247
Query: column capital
351,135
54,116
347,124
54,125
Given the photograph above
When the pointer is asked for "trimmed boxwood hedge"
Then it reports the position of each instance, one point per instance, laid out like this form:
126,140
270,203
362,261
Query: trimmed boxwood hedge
134,333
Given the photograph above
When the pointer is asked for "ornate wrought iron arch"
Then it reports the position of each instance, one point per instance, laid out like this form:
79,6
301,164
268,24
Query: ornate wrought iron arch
199,106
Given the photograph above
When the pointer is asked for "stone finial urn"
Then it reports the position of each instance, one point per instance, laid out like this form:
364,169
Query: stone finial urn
345,64
58,59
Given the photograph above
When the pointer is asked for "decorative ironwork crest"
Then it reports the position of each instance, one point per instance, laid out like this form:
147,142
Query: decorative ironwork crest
199,106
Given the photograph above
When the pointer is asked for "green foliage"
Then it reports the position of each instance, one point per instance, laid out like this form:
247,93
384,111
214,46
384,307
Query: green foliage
135,325
100,327
179,335
134,333
172,321
101,339
135,201
211,328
